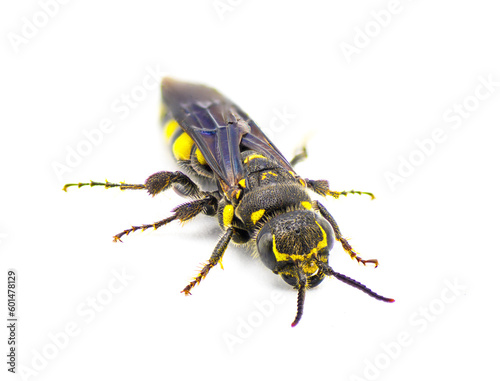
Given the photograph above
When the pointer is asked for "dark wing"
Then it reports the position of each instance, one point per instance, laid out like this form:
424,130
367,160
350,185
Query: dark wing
218,128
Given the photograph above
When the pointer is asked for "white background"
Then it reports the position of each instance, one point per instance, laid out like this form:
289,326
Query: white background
436,227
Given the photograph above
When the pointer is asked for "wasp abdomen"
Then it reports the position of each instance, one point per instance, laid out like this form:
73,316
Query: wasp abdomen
184,149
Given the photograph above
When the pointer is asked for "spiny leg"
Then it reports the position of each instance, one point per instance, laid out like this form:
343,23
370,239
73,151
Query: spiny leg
321,187
216,257
154,184
183,213
106,185
161,181
338,235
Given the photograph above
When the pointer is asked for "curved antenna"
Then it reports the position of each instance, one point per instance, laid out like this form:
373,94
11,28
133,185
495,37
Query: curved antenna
327,270
300,305
301,284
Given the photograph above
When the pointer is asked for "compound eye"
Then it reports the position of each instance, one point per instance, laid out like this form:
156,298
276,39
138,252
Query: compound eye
291,280
265,248
328,231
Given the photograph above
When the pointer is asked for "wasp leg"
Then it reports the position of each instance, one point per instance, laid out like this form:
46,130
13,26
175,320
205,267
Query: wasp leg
161,181
154,184
321,187
338,236
183,213
106,185
216,257
299,156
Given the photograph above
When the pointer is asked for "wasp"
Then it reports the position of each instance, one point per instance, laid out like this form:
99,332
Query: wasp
256,195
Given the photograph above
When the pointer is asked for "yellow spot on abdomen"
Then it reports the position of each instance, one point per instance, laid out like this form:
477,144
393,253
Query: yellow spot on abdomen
227,215
182,147
200,157
170,128
256,216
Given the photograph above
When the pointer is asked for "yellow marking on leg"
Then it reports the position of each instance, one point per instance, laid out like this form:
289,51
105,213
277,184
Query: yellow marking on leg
256,216
254,156
200,157
182,147
227,215
169,128
242,183
307,205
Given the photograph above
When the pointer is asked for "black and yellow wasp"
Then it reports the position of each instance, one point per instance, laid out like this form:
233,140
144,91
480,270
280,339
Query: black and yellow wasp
258,197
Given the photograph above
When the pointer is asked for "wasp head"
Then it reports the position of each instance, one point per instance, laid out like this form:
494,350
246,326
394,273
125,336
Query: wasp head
296,246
